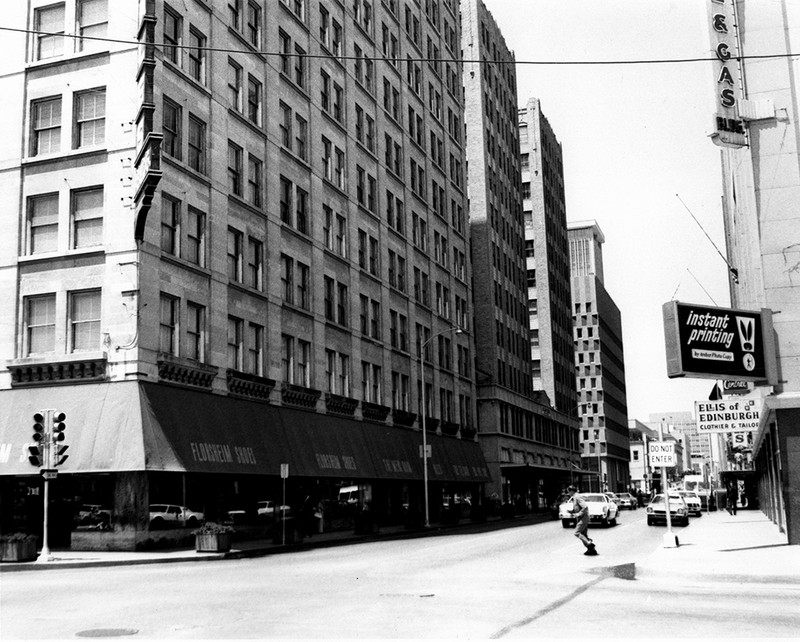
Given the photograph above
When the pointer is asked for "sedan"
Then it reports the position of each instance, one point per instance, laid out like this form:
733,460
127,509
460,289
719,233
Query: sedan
692,500
626,500
601,509
165,515
678,511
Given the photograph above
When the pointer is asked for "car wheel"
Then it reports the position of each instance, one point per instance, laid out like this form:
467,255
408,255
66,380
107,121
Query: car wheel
191,522
649,522
157,523
613,521
565,523
685,521
604,522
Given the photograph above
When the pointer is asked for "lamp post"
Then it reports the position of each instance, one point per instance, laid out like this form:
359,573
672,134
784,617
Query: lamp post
599,465
423,346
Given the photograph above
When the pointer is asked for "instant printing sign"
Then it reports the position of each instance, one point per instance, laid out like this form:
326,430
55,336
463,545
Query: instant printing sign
718,343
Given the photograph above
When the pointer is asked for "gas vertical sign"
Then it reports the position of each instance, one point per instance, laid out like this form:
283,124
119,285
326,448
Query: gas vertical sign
728,128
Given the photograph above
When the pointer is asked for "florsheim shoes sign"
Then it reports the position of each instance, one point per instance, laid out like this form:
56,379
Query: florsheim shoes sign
719,343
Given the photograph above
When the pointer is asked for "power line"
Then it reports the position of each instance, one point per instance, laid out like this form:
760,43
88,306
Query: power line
655,61
734,272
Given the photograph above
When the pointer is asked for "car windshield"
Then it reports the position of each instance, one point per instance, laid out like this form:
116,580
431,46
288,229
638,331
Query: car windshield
595,498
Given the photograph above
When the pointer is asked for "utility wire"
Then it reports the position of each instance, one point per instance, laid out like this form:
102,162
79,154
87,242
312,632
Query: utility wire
655,61
701,285
734,272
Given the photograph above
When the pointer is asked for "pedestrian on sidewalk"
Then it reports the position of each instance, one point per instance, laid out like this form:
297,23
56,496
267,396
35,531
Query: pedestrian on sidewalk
581,511
731,499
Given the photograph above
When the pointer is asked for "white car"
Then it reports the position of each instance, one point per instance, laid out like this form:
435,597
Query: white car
166,515
267,508
601,509
657,512
692,500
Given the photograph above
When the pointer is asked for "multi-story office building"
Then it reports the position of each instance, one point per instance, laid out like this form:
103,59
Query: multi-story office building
234,242
759,117
599,360
529,446
547,259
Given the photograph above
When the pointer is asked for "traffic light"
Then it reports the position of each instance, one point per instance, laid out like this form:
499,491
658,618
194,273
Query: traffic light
36,452
58,436
39,428
58,455
59,426
36,457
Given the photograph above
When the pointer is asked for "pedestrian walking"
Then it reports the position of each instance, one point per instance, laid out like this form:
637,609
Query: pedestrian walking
731,497
581,511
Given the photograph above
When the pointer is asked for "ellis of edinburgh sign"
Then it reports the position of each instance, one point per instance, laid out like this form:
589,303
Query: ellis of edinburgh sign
719,343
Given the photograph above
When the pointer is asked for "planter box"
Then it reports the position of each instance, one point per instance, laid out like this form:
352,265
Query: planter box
213,542
18,551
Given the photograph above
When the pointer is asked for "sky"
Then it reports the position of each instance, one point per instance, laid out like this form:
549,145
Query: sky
636,156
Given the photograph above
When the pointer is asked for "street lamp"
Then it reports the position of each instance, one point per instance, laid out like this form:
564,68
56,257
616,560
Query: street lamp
424,345
599,465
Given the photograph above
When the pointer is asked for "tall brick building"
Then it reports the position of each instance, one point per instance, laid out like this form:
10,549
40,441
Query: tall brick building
229,242
529,445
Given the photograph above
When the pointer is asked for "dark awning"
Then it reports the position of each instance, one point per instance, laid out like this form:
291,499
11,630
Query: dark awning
109,429
128,426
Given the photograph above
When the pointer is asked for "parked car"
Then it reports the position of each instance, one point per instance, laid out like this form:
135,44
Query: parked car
266,508
601,509
657,512
692,500
166,515
613,497
626,500
557,504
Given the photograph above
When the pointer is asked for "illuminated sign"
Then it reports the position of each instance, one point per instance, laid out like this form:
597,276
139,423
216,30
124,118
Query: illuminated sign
728,129
715,343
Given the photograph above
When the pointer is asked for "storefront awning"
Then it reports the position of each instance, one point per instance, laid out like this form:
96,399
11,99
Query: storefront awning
130,426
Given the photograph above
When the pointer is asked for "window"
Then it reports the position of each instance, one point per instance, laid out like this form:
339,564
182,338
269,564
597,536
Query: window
371,380
173,28
49,20
170,224
254,24
84,320
297,7
195,331
235,169
254,180
285,53
235,241
46,136
298,218
194,249
303,363
300,136
337,372
168,325
92,23
299,66
302,299
342,304
234,343
254,93
235,14
287,278
234,86
197,144
172,129
43,224
255,262
87,217
40,324
255,349
287,358
197,55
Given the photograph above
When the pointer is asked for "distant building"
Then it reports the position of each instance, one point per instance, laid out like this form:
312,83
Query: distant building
530,447
600,361
547,259
641,472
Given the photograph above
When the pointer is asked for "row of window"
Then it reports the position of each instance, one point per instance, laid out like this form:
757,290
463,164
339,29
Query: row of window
87,126
79,330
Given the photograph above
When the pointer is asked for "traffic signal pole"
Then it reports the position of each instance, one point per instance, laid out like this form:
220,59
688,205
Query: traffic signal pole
45,555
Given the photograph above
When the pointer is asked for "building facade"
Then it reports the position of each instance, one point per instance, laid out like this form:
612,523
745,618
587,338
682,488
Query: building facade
600,361
761,187
238,241
529,446
547,259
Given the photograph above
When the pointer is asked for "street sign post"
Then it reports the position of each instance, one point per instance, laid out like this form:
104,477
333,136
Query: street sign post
284,475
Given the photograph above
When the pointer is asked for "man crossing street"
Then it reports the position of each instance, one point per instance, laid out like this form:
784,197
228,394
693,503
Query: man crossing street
581,511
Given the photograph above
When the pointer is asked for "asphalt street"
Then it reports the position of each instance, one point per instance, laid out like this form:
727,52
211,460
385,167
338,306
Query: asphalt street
529,581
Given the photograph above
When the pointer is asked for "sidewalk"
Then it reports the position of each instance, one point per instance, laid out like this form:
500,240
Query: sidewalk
718,547
259,547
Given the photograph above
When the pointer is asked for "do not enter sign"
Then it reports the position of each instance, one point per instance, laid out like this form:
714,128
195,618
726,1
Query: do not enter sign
662,453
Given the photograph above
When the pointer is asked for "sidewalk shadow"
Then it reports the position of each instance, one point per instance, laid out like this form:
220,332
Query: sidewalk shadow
750,548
